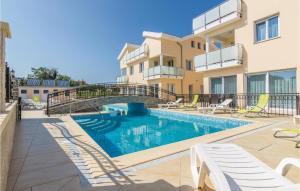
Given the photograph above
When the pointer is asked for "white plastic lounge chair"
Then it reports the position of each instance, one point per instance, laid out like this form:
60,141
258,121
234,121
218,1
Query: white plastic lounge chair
171,104
230,167
224,106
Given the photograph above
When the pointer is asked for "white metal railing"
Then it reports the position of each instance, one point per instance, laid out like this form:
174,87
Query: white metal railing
122,79
162,71
217,14
220,57
134,55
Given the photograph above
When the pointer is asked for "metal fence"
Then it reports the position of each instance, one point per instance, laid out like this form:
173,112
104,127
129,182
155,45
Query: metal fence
105,90
279,104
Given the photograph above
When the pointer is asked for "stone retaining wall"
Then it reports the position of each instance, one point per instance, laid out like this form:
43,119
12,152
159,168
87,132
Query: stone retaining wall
7,130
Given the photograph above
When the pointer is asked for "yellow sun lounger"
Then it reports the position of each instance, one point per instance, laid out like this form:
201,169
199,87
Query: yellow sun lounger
287,133
191,105
259,107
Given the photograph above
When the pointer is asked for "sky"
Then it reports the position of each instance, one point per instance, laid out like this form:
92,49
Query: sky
82,38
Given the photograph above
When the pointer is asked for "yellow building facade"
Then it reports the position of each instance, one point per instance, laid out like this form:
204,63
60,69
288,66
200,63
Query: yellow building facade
163,61
256,47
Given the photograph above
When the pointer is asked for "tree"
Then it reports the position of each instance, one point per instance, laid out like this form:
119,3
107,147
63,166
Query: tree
43,73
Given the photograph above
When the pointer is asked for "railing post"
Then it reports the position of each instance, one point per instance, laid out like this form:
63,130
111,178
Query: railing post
298,104
48,105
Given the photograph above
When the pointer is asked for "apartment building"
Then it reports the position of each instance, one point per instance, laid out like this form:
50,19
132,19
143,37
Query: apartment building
38,90
4,34
163,61
257,47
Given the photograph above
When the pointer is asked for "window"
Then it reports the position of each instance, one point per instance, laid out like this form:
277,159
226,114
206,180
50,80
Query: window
282,81
279,82
216,86
171,88
23,91
45,91
256,84
123,72
141,67
218,45
155,63
230,85
193,44
131,70
261,31
267,29
170,63
275,82
36,91
199,45
204,46
190,89
189,65
273,27
223,85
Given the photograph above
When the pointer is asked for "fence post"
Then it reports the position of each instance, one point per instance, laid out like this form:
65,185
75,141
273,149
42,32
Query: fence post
48,105
298,104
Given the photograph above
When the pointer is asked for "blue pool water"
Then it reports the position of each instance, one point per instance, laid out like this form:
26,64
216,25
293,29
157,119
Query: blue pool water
121,135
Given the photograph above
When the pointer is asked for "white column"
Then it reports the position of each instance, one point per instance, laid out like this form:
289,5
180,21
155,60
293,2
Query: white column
207,43
161,59
267,82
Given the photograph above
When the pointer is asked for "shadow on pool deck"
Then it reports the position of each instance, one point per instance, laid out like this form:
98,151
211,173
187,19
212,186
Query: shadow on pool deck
46,156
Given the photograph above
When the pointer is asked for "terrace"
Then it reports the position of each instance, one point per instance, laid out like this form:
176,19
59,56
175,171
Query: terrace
226,13
163,66
54,154
135,55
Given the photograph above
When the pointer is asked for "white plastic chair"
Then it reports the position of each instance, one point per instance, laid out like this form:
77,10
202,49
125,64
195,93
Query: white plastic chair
224,106
231,168
171,104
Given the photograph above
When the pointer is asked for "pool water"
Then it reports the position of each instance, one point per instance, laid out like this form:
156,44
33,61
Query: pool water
122,135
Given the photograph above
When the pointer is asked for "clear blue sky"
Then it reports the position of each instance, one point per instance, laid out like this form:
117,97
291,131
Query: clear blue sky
82,38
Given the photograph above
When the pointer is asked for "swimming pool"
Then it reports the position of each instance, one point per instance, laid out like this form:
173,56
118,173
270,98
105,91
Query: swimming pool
120,135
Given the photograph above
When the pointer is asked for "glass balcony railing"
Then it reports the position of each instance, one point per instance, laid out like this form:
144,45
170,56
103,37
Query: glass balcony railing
160,71
122,79
135,55
221,58
227,11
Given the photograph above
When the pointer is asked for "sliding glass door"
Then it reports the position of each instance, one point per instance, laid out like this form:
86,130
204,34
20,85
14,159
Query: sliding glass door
216,85
230,85
223,85
283,83
256,84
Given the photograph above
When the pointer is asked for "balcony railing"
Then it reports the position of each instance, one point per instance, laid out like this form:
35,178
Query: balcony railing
225,12
163,71
138,53
122,79
221,58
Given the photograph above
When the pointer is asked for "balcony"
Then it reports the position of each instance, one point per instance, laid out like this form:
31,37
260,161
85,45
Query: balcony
163,72
122,79
137,54
223,58
226,13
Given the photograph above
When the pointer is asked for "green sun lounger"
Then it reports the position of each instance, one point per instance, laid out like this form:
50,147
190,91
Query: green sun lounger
259,107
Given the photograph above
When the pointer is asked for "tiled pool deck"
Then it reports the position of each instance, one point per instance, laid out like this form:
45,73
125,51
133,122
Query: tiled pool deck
52,154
